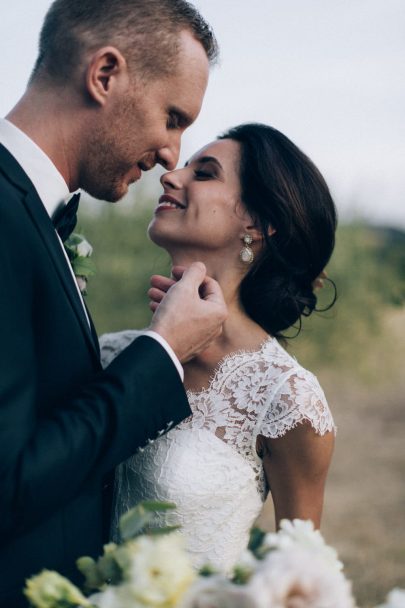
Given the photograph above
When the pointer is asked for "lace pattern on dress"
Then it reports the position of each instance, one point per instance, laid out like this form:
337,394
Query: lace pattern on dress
262,392
208,464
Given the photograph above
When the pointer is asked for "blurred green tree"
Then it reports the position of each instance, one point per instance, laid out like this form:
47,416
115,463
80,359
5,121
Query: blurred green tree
368,267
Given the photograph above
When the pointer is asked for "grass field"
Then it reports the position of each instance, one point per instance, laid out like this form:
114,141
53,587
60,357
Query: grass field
364,515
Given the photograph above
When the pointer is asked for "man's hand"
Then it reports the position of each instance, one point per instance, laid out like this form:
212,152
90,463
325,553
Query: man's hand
188,312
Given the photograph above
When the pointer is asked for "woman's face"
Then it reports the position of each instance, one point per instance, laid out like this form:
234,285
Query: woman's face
201,207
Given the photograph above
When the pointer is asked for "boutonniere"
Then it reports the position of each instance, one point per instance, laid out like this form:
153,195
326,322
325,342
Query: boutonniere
79,251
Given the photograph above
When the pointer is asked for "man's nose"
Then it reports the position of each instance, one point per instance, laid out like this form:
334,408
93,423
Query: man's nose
168,156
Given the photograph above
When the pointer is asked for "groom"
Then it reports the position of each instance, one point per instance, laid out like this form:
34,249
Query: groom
115,85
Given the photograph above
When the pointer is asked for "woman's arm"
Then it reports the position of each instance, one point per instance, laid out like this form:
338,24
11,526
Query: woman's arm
295,467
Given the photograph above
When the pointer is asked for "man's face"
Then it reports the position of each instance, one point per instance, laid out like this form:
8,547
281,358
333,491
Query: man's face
144,125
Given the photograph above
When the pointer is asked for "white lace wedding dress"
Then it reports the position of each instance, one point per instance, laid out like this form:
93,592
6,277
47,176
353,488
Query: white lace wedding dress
208,464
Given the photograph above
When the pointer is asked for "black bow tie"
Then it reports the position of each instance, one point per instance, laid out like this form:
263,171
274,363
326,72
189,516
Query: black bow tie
65,218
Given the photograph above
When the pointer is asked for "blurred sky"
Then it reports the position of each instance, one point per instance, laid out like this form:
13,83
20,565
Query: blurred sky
330,74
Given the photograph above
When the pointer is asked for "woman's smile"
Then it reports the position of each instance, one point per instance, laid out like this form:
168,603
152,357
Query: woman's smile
167,202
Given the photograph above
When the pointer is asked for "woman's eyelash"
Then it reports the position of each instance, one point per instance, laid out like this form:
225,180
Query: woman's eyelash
202,174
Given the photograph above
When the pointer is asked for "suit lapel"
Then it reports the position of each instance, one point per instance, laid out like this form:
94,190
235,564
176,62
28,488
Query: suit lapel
40,218
93,331
45,228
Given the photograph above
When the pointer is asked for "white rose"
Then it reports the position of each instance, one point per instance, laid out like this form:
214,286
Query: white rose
84,248
218,592
159,570
302,533
395,599
105,599
295,576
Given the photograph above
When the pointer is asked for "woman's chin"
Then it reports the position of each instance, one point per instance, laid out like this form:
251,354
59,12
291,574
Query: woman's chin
159,237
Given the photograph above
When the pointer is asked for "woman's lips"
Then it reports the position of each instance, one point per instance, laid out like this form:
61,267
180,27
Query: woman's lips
167,202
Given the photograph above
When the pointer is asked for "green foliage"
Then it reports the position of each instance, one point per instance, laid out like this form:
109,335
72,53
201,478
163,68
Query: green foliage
51,590
82,265
134,522
369,272
368,267
125,260
110,568
255,540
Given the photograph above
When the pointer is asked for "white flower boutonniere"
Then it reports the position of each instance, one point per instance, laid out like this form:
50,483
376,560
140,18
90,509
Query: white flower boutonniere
79,251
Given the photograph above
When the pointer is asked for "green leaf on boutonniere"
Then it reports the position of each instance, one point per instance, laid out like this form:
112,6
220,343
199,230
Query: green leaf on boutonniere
83,267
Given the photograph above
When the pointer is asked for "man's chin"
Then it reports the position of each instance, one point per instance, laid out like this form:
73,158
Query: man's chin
110,195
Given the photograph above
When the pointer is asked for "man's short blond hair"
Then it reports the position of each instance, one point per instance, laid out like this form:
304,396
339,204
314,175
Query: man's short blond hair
144,31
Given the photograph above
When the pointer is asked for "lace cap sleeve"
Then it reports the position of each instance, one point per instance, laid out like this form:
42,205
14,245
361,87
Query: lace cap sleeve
300,398
112,344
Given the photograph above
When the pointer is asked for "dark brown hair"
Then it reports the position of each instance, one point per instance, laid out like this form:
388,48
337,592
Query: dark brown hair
282,189
145,31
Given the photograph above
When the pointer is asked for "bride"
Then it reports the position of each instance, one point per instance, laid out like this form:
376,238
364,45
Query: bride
256,211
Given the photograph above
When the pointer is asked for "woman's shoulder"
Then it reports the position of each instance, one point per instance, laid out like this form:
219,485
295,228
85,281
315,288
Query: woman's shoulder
277,364
297,397
112,344
282,365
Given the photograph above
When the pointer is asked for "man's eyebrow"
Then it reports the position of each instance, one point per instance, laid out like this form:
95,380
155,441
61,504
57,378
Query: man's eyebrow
206,159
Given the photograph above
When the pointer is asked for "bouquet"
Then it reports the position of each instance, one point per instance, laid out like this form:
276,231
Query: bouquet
150,567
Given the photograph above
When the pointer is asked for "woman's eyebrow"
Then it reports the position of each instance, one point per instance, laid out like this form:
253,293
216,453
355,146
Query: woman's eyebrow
206,159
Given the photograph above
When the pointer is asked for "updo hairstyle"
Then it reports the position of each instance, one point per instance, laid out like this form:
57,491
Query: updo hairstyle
284,191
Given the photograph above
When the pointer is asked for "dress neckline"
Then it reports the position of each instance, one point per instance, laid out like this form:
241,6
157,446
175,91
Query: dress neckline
226,360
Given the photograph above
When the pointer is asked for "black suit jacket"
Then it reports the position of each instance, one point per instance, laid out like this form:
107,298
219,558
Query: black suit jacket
64,423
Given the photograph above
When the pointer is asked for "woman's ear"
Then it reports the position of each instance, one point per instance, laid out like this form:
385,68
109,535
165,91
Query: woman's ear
254,232
106,72
254,229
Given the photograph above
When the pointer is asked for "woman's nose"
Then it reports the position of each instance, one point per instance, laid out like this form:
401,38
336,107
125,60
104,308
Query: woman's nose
171,180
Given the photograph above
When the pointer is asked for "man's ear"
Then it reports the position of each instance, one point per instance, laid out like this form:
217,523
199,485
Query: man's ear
106,72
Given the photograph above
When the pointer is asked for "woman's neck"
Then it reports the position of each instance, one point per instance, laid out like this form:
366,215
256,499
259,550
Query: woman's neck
239,331
228,274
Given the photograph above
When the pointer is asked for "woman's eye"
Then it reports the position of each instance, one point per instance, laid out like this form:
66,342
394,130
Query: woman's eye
202,174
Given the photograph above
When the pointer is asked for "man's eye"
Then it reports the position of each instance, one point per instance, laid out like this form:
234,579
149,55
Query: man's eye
202,174
173,122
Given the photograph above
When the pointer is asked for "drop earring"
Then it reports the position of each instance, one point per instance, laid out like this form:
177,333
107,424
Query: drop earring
246,255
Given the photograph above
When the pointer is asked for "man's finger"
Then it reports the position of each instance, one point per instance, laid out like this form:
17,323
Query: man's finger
211,291
194,275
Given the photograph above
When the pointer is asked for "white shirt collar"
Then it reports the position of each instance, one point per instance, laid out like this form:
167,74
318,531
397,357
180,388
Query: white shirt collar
48,182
